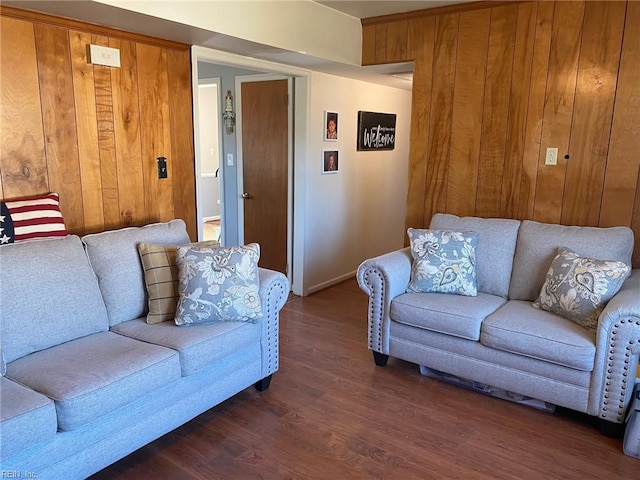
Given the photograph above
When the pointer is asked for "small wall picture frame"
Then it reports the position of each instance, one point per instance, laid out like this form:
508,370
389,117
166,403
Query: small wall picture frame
330,126
329,161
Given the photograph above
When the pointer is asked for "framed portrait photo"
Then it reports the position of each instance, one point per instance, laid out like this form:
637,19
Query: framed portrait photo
330,126
330,161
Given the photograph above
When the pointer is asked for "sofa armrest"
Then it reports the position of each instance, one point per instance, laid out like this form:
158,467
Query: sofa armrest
274,291
383,278
617,353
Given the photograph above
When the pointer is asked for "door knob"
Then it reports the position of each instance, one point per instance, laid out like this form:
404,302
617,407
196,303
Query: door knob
246,195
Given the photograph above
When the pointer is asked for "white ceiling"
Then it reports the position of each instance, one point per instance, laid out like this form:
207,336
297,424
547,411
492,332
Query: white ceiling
376,8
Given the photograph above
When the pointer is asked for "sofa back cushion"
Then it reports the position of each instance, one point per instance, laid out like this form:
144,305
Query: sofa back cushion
115,259
495,250
48,295
538,245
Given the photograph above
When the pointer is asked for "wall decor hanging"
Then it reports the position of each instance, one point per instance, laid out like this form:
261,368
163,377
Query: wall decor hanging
376,131
330,161
331,126
229,116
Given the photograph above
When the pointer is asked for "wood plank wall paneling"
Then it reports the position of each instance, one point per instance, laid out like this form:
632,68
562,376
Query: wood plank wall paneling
93,133
156,141
518,102
180,105
497,84
593,111
421,31
60,124
397,41
558,109
127,133
23,162
369,45
495,112
440,121
88,149
620,186
471,72
106,138
380,45
535,109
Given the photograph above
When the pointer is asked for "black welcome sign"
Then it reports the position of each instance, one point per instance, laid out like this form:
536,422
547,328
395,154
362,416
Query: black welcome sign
376,131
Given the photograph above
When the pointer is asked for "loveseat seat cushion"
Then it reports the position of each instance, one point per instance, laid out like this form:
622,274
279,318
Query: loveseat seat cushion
27,418
456,315
115,259
198,345
92,376
49,295
519,328
496,247
538,245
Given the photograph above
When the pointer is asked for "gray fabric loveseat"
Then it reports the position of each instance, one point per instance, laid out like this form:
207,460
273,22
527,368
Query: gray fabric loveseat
88,380
497,337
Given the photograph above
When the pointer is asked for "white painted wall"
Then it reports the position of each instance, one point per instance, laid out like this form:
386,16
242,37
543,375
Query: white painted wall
360,211
300,26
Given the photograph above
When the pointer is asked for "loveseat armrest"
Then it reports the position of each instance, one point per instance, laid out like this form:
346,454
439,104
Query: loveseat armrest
617,353
383,278
274,291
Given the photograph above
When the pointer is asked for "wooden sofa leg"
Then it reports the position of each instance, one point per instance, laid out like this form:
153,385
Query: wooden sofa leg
262,385
610,429
380,358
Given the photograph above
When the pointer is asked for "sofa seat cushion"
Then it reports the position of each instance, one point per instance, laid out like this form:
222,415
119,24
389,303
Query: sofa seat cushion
27,417
198,345
440,312
519,328
93,376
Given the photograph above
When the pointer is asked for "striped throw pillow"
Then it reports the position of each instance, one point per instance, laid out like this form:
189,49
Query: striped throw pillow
31,218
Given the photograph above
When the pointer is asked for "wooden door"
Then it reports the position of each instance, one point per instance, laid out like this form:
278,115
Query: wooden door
265,161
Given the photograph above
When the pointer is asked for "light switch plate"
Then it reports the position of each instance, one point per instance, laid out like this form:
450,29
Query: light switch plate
107,56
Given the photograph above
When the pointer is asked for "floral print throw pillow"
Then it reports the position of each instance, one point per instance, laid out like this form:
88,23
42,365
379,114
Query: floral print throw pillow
443,261
217,284
578,288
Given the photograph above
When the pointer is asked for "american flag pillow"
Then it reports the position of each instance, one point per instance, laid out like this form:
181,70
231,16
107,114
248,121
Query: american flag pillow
31,218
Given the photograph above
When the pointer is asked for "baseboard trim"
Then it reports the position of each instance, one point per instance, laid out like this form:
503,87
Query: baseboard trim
208,219
330,283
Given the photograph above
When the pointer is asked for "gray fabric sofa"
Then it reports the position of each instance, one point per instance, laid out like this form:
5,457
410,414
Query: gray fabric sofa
88,381
497,337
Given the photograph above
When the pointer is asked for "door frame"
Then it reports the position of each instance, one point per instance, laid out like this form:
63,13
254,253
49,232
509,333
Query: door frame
240,158
301,105
197,150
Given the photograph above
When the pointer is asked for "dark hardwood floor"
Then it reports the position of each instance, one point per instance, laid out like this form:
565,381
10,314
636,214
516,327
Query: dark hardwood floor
330,413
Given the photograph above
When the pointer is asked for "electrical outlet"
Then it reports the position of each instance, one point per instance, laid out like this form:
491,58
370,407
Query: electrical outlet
229,159
552,156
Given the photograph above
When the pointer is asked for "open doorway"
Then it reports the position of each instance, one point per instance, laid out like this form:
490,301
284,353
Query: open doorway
209,184
211,64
